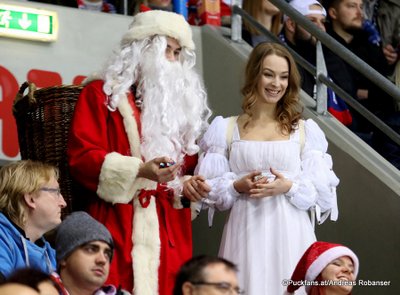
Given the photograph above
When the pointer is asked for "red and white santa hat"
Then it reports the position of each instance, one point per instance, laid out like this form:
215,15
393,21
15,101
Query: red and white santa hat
315,259
159,22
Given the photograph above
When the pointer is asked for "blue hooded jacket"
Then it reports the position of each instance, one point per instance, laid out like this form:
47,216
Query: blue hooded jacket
16,251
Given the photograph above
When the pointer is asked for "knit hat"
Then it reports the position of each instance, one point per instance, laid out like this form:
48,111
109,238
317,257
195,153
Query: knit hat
78,229
315,259
304,7
158,22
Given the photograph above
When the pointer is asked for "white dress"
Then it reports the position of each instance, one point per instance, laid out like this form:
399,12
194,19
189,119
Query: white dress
266,237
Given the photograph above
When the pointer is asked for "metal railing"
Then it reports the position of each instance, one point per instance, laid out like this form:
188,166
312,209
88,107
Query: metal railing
319,72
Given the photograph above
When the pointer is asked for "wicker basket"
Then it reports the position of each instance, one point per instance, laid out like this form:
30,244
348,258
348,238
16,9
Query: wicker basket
43,119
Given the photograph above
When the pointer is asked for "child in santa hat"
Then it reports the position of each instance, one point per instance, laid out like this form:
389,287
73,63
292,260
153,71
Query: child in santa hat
325,268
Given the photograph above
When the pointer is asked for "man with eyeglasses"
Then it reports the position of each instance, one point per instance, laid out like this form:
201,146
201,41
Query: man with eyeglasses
30,206
203,275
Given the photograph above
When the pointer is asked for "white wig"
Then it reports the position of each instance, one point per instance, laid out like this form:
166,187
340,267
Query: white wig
174,110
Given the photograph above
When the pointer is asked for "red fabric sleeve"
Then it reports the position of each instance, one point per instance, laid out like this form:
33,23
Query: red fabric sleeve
88,142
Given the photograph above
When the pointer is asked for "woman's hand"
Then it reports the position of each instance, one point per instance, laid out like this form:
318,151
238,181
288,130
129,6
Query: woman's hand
151,170
196,188
248,182
279,185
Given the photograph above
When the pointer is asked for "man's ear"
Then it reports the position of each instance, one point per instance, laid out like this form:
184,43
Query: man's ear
332,13
187,288
62,263
30,200
290,25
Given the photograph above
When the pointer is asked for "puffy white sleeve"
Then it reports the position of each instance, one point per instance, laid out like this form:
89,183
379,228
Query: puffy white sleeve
214,165
315,186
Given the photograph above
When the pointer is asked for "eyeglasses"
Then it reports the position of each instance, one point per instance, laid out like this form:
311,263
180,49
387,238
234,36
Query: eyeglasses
55,191
223,287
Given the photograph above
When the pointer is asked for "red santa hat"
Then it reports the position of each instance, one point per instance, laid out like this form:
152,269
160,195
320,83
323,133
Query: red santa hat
159,22
315,259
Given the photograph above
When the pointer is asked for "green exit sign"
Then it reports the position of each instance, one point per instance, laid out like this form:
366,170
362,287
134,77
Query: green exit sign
28,23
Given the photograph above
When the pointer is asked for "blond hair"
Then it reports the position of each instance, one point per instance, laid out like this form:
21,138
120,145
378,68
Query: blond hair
20,178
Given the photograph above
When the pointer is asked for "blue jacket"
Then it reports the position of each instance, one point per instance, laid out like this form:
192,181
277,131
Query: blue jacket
18,252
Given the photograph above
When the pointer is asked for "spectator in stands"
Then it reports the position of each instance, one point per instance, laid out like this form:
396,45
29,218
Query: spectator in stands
225,6
145,5
264,12
133,145
35,279
97,5
345,25
30,206
328,262
84,252
203,274
259,169
301,41
346,17
68,3
385,16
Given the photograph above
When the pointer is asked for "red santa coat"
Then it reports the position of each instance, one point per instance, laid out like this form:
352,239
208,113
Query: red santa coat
152,239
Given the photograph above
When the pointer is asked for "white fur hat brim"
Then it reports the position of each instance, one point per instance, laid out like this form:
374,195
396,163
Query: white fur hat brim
327,257
158,22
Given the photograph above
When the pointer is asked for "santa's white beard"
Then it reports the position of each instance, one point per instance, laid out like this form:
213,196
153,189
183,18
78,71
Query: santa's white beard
174,108
169,92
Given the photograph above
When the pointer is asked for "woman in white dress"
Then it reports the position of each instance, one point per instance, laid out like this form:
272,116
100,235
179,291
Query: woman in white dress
270,169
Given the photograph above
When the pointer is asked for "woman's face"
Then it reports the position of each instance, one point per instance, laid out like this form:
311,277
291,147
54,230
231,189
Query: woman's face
340,269
274,79
269,8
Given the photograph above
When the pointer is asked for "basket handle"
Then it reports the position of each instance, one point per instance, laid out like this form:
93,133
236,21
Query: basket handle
20,94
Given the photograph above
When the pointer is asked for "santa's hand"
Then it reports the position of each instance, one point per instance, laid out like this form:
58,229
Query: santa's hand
162,169
279,185
196,188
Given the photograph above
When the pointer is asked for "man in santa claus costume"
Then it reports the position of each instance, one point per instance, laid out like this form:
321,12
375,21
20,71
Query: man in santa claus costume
133,144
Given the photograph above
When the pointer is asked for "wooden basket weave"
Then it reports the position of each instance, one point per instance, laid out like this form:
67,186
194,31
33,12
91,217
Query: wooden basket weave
43,119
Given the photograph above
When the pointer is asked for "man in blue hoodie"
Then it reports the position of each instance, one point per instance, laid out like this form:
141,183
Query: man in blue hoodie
30,206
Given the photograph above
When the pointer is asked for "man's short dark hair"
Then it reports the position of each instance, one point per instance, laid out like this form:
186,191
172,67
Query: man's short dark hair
193,270
331,3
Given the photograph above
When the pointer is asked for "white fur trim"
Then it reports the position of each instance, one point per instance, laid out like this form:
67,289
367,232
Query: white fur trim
195,209
327,257
145,232
130,125
158,22
117,178
92,77
146,249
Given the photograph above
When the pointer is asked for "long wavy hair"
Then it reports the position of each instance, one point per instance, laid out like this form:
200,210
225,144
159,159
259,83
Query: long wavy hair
254,8
289,108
